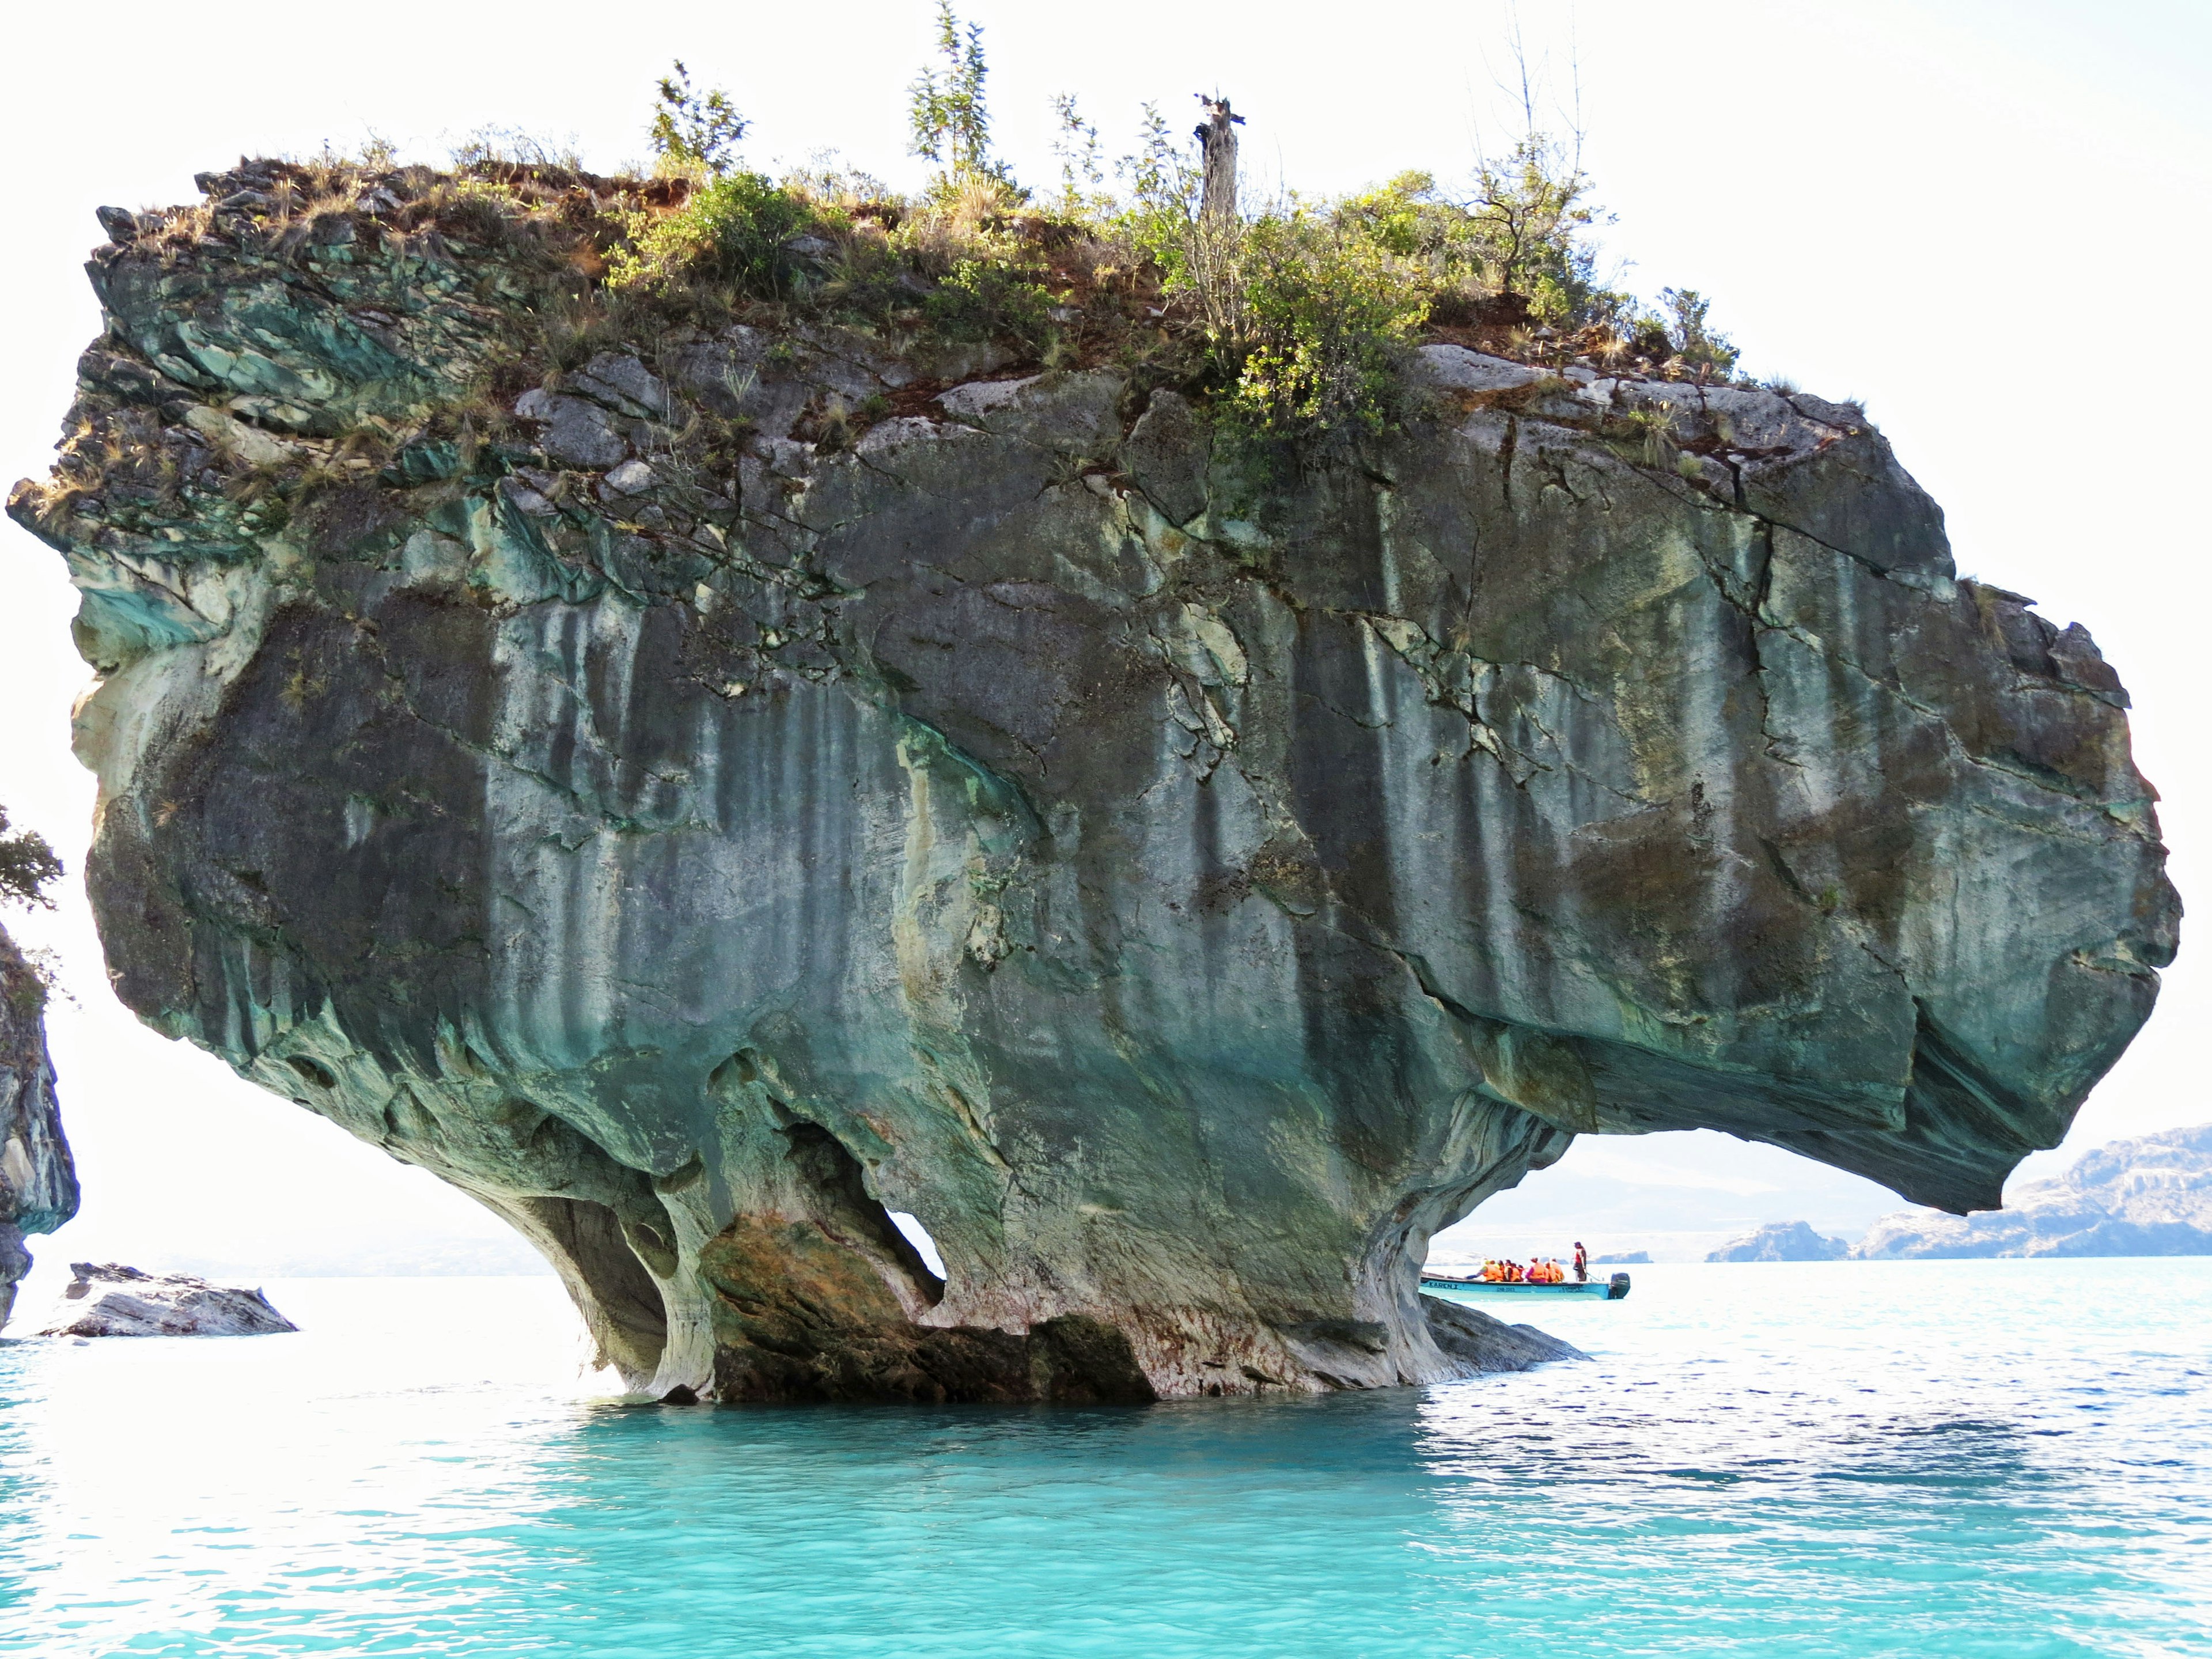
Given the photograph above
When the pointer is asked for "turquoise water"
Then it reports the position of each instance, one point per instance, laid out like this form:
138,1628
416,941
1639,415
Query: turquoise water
2008,1458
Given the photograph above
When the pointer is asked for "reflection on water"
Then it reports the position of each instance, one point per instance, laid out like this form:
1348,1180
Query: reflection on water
1848,1459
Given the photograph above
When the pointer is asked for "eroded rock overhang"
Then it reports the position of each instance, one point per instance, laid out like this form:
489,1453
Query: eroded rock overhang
1183,896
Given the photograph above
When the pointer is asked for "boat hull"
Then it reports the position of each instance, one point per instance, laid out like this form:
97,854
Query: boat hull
1608,1289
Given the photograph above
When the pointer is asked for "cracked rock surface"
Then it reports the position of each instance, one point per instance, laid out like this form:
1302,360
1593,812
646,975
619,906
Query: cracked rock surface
1183,896
38,1181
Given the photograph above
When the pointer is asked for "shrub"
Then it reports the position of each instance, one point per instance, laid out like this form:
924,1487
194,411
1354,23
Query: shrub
979,299
1693,341
736,230
1318,317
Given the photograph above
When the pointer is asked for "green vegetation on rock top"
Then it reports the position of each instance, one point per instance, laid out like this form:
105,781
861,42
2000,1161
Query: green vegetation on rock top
1286,323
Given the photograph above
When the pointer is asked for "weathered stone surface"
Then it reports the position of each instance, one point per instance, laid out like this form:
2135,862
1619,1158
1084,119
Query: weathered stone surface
1782,1241
1481,1342
2150,1195
112,1300
1183,897
38,1181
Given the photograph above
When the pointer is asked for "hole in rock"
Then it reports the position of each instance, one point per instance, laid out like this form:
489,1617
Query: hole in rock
314,1071
690,1173
653,1247
918,1235
1674,1196
852,1213
733,1073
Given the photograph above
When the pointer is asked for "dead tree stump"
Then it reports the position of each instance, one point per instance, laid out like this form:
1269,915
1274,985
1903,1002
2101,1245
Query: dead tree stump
1217,142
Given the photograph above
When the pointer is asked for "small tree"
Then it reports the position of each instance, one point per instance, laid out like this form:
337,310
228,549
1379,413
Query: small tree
1695,342
1076,144
694,130
952,123
27,865
1163,184
1532,207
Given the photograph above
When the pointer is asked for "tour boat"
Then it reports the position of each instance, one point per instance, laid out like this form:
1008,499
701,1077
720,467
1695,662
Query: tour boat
1611,1289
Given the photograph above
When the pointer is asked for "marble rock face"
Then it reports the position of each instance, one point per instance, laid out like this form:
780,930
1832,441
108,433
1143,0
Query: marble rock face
1183,894
37,1182
112,1300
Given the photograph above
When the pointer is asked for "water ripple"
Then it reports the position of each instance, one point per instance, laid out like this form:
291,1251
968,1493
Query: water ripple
1831,1461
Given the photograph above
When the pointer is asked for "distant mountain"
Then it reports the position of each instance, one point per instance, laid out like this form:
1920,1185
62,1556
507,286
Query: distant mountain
1626,1259
1783,1241
2149,1196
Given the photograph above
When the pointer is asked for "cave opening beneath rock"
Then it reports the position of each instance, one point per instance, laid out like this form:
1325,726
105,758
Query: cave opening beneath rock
1673,1196
838,1184
918,1235
592,1245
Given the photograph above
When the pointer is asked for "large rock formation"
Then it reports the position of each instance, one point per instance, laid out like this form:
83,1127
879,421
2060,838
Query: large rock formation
2151,1195
38,1181
695,820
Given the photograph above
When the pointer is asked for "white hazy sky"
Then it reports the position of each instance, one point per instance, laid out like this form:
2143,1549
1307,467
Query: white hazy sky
1987,218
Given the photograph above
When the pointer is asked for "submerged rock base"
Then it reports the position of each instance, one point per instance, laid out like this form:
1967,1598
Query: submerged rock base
702,791
119,1301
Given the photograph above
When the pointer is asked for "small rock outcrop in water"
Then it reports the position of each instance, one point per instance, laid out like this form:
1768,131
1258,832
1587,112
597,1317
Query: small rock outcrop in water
1783,1241
704,791
117,1301
2151,1195
1483,1343
38,1181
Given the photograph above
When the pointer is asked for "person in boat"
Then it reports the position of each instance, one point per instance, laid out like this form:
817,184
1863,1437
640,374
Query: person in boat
1582,1264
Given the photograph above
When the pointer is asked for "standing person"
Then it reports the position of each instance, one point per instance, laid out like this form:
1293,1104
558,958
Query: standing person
1582,1264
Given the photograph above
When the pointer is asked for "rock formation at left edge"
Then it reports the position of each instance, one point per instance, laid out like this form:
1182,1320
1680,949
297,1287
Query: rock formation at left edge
38,1180
134,1304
